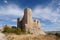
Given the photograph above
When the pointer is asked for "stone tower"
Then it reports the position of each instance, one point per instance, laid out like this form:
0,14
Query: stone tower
27,23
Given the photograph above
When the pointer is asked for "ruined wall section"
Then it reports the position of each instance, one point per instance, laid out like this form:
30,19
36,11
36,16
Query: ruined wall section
29,24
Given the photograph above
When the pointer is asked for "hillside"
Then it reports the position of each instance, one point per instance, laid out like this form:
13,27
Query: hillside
12,36
2,36
31,37
27,37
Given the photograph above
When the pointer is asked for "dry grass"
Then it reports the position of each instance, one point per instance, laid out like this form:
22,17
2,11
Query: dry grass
31,37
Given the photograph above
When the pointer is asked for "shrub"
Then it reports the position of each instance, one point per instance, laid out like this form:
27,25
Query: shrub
14,27
50,33
6,29
57,34
23,31
18,31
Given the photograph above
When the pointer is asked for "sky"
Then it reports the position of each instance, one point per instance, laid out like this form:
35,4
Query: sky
47,11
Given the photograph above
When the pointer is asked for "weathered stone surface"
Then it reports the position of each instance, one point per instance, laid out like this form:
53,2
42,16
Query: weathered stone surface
29,24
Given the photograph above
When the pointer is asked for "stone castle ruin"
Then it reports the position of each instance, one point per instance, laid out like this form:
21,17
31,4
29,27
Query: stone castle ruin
27,23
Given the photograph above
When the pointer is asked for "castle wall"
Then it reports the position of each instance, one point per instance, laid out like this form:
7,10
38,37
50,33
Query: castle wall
28,23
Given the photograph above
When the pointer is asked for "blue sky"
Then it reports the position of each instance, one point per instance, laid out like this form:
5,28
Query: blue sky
47,11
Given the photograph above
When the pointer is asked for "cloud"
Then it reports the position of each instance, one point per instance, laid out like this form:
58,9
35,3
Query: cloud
51,13
44,13
47,13
5,1
51,27
14,20
10,13
11,9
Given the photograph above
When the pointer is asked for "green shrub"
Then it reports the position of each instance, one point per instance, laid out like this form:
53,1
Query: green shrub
18,31
6,29
57,34
23,31
13,29
50,34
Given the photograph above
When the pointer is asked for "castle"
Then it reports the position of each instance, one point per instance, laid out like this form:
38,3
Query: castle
27,23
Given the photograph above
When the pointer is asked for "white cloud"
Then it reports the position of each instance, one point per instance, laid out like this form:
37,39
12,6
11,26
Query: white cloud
11,10
5,1
51,27
38,12
14,20
46,13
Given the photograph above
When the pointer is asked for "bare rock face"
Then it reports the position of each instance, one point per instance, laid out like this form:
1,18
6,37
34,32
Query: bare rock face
27,23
